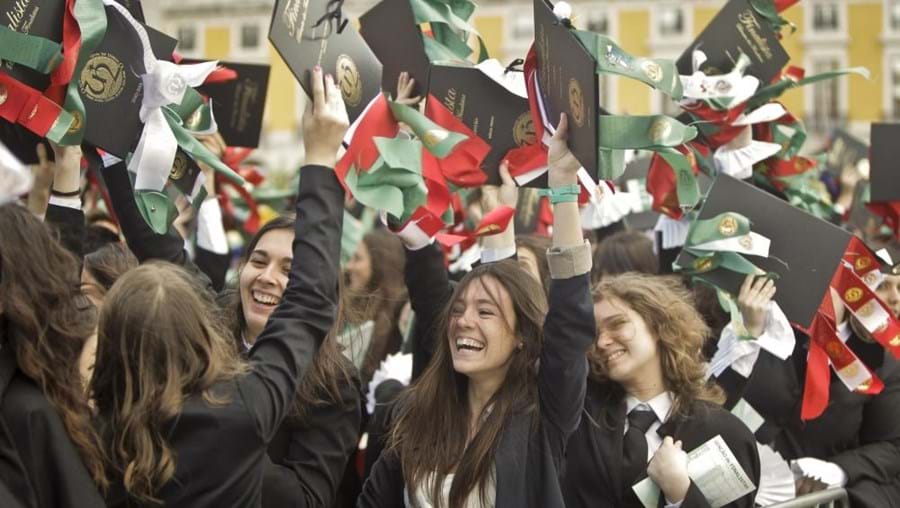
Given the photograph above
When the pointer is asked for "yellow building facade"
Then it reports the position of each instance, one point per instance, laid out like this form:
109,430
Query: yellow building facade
829,34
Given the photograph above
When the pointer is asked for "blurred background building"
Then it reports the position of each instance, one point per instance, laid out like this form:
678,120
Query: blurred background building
830,34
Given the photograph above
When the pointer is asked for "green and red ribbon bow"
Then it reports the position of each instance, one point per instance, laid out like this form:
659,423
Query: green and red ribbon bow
854,284
234,158
722,242
672,190
462,166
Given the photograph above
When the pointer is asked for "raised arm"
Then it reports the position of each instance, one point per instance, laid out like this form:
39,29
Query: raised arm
286,347
429,291
569,329
64,207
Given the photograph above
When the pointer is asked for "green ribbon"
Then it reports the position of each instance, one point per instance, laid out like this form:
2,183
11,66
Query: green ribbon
767,93
37,53
642,132
195,114
766,9
157,209
721,227
92,23
686,186
436,139
806,192
659,73
449,24
196,149
439,53
394,183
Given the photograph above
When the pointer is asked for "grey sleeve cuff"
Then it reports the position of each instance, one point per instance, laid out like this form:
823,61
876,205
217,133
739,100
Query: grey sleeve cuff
568,262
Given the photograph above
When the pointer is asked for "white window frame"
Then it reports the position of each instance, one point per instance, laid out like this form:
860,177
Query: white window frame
889,33
888,84
199,38
259,53
660,42
812,35
839,55
609,94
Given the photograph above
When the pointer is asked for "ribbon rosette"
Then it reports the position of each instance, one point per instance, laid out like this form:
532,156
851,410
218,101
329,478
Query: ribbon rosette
165,83
722,242
394,183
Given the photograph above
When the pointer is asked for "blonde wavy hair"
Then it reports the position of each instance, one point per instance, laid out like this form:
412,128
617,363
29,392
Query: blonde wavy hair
667,308
158,344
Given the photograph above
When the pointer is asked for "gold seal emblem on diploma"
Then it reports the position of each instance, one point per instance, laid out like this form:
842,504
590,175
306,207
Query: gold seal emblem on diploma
853,295
103,78
703,264
349,81
728,226
862,263
576,102
179,166
523,130
652,70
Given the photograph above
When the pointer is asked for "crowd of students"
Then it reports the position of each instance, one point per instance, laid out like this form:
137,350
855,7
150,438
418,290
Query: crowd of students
555,373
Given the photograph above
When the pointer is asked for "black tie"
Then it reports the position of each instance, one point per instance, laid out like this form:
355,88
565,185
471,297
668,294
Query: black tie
634,448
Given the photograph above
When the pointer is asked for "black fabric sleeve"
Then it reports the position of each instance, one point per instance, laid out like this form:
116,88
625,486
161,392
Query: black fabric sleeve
215,266
69,222
569,331
317,454
429,291
384,487
878,456
285,349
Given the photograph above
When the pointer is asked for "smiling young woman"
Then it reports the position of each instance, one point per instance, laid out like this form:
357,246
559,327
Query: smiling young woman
648,400
486,422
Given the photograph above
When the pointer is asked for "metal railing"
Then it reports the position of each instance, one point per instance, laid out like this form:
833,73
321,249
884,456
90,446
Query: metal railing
831,498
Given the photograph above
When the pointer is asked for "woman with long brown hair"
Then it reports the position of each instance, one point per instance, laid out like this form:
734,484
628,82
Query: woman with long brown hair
44,323
187,422
374,283
486,422
648,400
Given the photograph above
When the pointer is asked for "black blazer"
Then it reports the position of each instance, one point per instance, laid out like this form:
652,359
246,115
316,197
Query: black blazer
860,433
308,459
221,450
528,460
41,466
593,473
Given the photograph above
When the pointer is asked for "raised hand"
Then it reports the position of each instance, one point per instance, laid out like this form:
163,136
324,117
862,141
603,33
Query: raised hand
325,121
753,302
405,87
506,194
563,164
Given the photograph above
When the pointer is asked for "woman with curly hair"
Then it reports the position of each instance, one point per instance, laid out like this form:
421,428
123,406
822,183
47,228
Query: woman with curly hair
44,323
648,401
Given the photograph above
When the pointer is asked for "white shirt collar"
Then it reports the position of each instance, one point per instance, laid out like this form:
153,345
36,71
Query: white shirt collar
661,405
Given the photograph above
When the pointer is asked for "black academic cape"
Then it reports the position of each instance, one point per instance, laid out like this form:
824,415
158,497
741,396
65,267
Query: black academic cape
860,433
40,466
593,472
309,458
221,450
528,458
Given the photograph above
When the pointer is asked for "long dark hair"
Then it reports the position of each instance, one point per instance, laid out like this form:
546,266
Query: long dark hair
329,371
430,434
382,299
46,320
625,251
108,263
158,344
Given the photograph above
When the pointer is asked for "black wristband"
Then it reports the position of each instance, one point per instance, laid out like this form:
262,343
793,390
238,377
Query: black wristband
72,194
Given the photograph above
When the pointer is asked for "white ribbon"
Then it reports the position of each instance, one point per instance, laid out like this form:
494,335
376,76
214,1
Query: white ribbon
15,178
734,85
753,244
164,83
737,157
514,82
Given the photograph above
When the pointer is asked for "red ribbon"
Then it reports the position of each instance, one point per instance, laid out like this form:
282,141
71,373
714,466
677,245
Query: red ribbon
661,180
362,152
528,158
848,282
462,166
496,221
233,157
27,107
889,211
71,45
